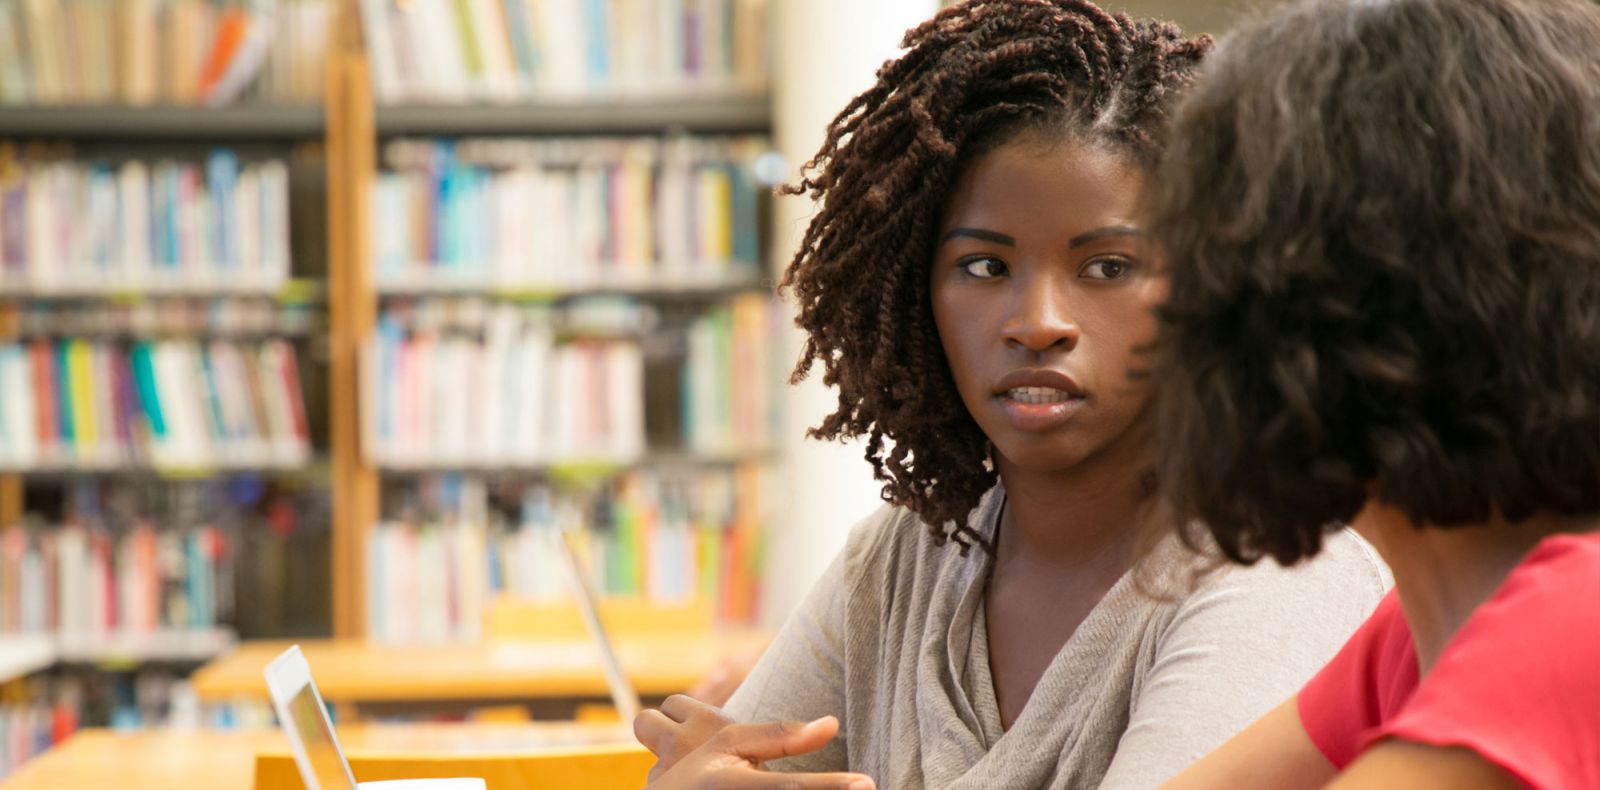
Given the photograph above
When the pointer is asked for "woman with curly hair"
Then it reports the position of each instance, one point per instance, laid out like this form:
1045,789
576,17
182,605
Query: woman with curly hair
978,286
1383,222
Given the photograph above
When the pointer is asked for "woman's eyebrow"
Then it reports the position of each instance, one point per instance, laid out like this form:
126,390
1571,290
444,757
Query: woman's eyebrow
1100,233
981,235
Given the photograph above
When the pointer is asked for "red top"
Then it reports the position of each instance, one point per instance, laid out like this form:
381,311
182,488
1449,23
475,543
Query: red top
1519,683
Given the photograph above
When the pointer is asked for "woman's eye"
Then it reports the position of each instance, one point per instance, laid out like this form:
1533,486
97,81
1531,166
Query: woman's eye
1106,269
984,268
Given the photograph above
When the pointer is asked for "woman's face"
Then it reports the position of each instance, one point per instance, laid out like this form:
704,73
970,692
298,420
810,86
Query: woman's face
1043,288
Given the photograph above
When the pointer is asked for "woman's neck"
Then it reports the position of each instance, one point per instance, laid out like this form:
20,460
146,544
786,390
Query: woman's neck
1443,575
1086,517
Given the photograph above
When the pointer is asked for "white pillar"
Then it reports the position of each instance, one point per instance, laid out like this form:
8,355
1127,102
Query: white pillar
825,52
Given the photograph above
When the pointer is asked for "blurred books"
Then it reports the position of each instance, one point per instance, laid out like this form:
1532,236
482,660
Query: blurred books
454,542
564,214
81,404
152,52
71,227
509,50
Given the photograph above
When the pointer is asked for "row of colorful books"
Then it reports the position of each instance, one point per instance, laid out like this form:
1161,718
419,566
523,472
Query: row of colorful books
142,52
518,385
455,543
567,213
730,377
64,223
510,395
91,580
502,50
165,316
84,404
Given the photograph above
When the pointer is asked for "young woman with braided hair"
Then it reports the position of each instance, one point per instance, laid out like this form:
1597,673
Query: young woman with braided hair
978,287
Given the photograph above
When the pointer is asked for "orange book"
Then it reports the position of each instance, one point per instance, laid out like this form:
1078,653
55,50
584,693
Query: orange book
232,27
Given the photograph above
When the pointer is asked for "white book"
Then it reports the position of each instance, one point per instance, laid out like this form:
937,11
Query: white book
247,224
625,390
433,590
533,366
567,402
379,36
44,254
561,41
274,189
496,402
672,211
588,221
669,38
20,446
434,22
180,382
133,195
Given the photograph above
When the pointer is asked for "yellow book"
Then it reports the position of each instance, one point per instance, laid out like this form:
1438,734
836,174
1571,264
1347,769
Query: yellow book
80,369
716,223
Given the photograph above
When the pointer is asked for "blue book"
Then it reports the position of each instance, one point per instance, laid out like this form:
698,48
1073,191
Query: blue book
443,162
597,28
746,248
144,384
63,391
522,50
222,176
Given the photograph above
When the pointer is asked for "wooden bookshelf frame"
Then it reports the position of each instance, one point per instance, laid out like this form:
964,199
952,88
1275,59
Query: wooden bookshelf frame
352,312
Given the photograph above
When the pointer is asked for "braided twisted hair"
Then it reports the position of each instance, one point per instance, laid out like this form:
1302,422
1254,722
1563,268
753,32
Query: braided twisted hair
974,77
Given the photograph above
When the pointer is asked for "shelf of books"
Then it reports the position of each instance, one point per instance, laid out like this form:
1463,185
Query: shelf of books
163,363
575,323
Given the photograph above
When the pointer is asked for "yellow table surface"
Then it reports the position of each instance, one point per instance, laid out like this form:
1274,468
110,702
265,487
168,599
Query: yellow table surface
211,760
353,671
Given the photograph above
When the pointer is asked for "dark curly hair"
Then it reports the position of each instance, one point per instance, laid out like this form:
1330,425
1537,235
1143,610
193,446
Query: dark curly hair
975,76
1383,222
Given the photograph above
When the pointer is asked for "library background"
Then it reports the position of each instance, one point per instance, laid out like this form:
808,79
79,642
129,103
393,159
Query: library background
320,319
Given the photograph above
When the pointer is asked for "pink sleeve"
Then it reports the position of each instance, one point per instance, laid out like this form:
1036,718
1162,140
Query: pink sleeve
1366,681
1520,682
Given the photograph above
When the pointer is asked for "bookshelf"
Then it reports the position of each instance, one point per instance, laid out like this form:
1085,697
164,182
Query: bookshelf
331,302
185,544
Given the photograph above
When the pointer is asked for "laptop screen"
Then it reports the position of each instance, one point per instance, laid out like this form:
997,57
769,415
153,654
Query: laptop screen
327,765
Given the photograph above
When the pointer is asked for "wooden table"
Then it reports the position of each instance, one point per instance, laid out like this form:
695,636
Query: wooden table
359,672
210,760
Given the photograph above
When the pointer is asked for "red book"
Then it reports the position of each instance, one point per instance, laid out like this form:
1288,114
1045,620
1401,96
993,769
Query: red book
291,383
45,398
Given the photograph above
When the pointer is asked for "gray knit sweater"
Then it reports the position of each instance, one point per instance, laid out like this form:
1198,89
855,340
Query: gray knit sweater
892,641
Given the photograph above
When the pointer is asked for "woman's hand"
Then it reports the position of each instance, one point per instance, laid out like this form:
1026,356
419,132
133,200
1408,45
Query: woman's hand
682,725
733,756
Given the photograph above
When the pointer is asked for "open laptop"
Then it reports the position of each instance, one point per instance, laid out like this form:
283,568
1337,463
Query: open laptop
305,719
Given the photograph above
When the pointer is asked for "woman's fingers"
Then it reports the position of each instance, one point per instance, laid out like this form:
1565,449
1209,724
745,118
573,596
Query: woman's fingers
679,707
774,740
653,729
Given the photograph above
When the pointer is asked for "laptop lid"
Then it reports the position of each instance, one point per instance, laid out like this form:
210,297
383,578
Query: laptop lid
305,720
623,695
